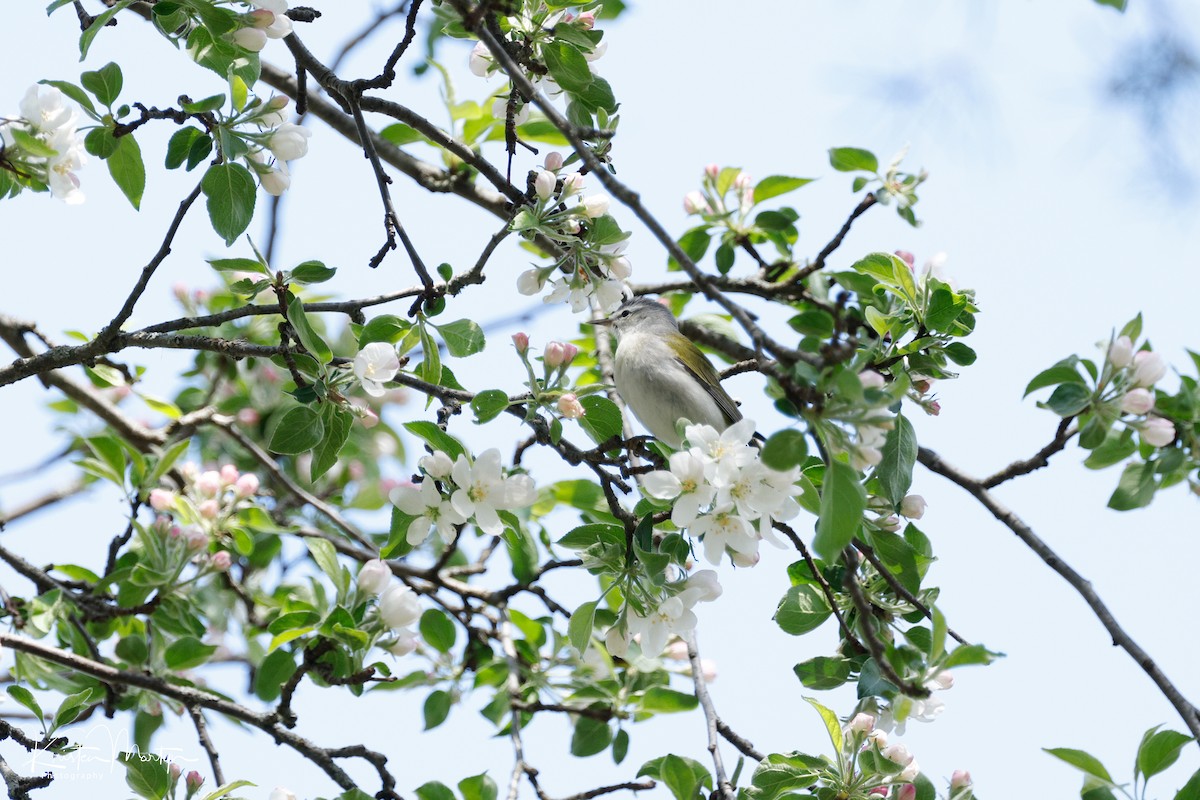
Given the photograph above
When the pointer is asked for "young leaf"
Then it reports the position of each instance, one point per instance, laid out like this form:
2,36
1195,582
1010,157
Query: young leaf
899,456
775,185
300,430
488,405
312,342
785,450
843,501
804,608
127,170
437,630
463,337
105,83
1082,761
437,708
851,159
579,630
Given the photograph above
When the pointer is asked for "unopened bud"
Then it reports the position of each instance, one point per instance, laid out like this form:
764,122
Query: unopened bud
570,407
961,779
221,561
521,342
554,161
913,506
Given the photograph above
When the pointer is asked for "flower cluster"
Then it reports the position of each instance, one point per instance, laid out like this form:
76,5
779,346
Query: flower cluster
375,365
713,200
43,146
671,617
268,20
723,494
536,27
593,263
1134,374
208,500
455,492
399,608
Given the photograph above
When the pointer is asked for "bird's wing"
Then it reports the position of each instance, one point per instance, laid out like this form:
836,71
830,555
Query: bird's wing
708,377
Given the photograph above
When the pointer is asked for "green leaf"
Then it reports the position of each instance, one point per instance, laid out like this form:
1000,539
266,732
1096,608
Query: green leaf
127,170
804,608
579,629
1135,489
478,787
26,698
133,649
437,708
661,700
899,456
775,185
694,243
187,652
1191,789
1116,447
325,556
273,673
1062,372
146,774
969,655
851,159
823,673
100,142
98,23
312,342
601,418
338,423
72,706
239,265
585,536
436,437
785,450
1119,5
1068,399
1159,751
434,790
567,66
312,272
591,736
105,83
813,323
463,337
230,193
960,354
224,789
832,726
384,328
300,430
780,774
843,501
1081,760
488,405
437,630
210,103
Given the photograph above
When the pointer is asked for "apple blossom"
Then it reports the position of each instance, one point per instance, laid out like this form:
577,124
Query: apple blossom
570,407
620,268
162,500
209,484
1137,401
616,642
686,483
543,184
694,203
586,20
483,490
375,365
430,508
722,529
280,793
1148,368
913,506
677,650
870,379
273,113
897,754
247,485
670,617
554,161
862,723
595,205
1120,352
911,770
530,281
572,184
908,791
193,781
399,607
252,39
521,341
1157,432
405,642
437,465
374,576
276,180
520,110
289,141
960,779
221,561
480,60
702,587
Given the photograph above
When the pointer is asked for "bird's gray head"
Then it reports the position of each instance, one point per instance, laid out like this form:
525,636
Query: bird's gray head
641,315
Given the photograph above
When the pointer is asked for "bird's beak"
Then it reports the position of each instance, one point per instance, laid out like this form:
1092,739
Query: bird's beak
604,322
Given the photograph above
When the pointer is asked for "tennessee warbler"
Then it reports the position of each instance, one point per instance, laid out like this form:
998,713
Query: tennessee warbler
662,376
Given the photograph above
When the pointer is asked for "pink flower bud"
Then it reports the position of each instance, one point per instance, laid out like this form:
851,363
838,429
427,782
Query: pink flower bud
862,723
260,18
554,161
744,560
906,257
209,509
595,205
229,474
942,680
708,670
712,171
194,781
1157,432
586,20
913,506
961,779
1148,368
162,500
175,770
209,484
569,353
889,523
1137,401
907,792
554,354
252,39
742,182
677,650
248,416
694,203
933,409
247,485
570,407
196,538
369,418
881,791
897,754
221,560
572,184
910,772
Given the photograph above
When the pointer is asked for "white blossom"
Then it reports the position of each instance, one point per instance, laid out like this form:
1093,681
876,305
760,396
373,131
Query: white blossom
374,576
722,529
654,630
1148,368
289,141
430,508
483,490
375,365
687,480
399,607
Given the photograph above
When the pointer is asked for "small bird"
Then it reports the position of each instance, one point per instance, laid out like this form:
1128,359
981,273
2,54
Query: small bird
662,376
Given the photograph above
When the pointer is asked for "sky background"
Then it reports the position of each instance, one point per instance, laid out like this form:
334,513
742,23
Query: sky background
1067,208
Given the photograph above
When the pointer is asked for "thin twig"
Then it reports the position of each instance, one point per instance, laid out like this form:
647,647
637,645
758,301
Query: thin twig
1062,435
899,588
1187,711
834,243
710,716
214,758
